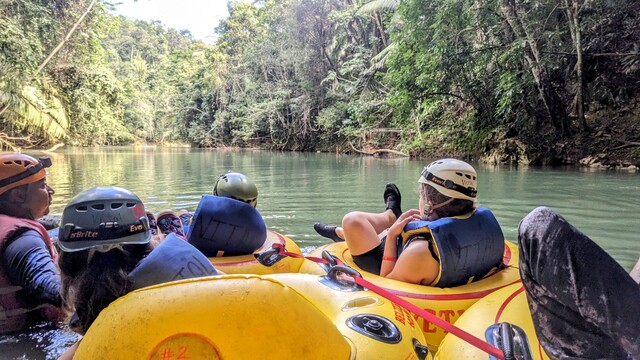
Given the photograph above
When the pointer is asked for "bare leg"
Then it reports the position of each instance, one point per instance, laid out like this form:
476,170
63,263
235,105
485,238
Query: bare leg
361,229
365,228
635,272
583,303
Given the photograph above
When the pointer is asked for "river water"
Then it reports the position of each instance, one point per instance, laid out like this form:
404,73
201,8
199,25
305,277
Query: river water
298,189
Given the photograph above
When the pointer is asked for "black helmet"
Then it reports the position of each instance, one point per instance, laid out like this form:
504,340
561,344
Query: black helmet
236,186
103,216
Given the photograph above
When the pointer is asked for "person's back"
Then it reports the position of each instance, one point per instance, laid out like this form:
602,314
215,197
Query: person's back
224,226
29,279
227,223
425,255
459,242
466,248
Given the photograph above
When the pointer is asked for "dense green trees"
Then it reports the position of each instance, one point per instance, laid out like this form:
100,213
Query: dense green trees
28,100
111,82
446,76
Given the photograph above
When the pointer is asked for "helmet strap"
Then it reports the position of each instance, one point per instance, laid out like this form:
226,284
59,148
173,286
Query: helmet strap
432,207
215,187
42,163
449,184
27,197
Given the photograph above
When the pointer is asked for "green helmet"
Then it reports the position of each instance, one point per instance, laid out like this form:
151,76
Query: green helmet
103,217
236,186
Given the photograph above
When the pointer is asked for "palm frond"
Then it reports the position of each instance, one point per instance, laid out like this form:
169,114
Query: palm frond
378,62
36,109
377,6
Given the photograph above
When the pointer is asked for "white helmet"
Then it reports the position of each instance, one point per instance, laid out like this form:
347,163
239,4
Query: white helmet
451,177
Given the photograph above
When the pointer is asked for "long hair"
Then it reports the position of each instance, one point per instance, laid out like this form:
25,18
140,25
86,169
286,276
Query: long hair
456,207
91,284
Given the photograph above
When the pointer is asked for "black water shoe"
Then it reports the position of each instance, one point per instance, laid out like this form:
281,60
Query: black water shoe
327,231
392,199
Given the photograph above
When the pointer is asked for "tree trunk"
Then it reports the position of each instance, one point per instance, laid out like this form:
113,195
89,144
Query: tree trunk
532,54
573,14
380,25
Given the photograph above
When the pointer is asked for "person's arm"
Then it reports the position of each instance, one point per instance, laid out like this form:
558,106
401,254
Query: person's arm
28,264
635,272
416,265
70,352
389,257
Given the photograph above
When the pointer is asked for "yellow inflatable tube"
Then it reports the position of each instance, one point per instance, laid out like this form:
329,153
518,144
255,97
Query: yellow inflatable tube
280,316
505,305
446,303
247,264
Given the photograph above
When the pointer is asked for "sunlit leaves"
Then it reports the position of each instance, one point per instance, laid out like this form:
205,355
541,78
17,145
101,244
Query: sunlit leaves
37,110
29,103
378,6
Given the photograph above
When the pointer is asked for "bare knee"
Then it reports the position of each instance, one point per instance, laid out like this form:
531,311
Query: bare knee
359,233
352,219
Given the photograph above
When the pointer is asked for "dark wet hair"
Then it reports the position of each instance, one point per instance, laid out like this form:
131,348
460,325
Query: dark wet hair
90,285
456,207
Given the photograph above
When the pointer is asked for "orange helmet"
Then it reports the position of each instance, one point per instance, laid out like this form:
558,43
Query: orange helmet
20,169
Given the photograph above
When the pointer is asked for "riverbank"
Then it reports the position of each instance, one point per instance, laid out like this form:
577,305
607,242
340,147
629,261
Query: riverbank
610,141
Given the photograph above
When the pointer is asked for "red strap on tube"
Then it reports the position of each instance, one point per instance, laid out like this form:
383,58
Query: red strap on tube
471,339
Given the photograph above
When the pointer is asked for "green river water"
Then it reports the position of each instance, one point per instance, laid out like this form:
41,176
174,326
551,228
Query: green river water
298,189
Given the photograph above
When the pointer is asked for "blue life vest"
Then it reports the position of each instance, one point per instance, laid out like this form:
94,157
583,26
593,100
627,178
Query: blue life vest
468,248
174,259
223,226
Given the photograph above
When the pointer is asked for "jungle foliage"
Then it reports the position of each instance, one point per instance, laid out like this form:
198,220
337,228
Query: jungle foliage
421,76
